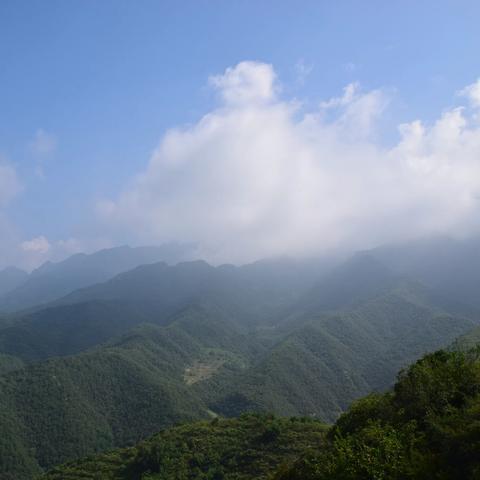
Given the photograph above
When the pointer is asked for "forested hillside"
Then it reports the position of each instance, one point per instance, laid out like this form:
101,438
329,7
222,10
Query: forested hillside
111,396
352,351
110,364
427,426
256,293
467,341
250,447
68,329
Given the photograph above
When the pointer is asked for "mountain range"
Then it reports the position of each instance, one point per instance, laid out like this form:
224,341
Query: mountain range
19,290
108,362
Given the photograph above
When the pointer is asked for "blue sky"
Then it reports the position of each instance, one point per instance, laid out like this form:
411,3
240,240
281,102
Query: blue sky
88,89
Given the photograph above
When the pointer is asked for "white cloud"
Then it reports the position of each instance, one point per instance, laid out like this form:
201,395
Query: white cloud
247,83
350,92
257,177
64,248
355,112
38,245
472,92
30,254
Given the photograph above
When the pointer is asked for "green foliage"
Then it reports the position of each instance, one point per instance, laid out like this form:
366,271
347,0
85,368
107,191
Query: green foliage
67,329
467,341
252,446
212,349
115,395
321,363
429,427
8,363
439,383
68,407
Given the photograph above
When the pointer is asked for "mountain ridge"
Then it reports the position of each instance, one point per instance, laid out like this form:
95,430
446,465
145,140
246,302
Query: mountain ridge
54,280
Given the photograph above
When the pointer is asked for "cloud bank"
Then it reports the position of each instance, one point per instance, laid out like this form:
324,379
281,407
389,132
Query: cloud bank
258,176
38,245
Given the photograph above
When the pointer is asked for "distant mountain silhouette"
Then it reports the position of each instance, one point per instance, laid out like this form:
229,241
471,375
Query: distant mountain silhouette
54,280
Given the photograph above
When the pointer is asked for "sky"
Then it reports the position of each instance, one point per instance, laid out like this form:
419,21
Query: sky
247,128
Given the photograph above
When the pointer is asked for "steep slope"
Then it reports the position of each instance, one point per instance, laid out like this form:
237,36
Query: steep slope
154,293
54,280
308,373
169,286
324,361
112,396
67,329
360,278
245,291
285,280
218,352
467,341
451,267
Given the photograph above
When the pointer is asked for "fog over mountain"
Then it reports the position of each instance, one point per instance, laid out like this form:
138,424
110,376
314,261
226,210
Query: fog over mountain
262,175
54,280
120,355
239,240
